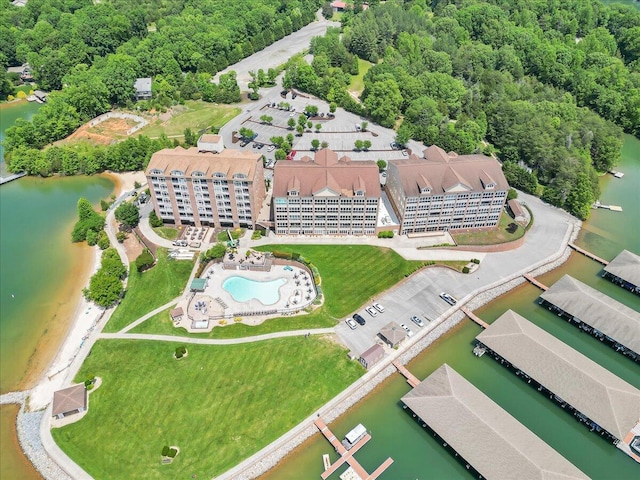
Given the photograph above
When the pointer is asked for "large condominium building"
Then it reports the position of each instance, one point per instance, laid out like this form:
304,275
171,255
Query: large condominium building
445,191
221,190
326,195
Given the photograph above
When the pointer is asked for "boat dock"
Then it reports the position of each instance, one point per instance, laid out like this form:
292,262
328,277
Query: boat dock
613,208
535,282
411,378
589,254
474,317
347,455
11,178
616,173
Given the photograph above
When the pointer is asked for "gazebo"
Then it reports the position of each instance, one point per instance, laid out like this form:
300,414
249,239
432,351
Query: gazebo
198,284
69,401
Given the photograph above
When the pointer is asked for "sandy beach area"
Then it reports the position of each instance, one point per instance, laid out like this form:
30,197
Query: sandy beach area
124,182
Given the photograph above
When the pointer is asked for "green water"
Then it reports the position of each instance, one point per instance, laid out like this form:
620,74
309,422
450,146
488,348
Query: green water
39,276
416,454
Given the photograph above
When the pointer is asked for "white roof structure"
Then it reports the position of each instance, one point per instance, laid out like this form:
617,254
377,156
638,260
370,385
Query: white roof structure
591,389
625,266
357,432
492,441
596,309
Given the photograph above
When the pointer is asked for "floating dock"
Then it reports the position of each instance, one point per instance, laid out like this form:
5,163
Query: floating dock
348,455
595,313
616,174
474,317
588,254
535,282
604,402
480,433
11,178
613,208
411,378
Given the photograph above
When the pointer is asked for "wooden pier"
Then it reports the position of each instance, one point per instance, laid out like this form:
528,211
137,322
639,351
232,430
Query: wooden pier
347,455
10,178
473,317
411,378
535,282
588,254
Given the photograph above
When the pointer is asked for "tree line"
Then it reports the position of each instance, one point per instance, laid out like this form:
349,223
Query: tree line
91,54
470,72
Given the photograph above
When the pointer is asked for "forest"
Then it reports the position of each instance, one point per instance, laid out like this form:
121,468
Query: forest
550,85
91,53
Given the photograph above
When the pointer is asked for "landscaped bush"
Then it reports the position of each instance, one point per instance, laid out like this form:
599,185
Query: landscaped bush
256,235
295,256
167,451
465,269
121,237
385,234
154,220
104,205
144,261
278,254
476,261
181,351
103,240
92,238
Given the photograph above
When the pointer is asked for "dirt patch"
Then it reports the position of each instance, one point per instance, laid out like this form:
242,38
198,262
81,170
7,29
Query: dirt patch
113,127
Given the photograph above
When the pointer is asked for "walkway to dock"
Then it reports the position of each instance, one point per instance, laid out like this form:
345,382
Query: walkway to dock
473,317
8,179
588,254
411,378
347,455
537,283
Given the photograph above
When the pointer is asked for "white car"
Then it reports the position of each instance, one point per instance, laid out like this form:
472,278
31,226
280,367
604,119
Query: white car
371,311
271,148
352,325
407,329
417,320
378,307
448,298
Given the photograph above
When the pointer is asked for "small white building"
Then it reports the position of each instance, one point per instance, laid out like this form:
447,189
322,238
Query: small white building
142,87
210,143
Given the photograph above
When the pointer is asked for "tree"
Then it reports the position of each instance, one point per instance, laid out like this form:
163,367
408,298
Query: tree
144,261
383,102
299,130
364,126
324,144
512,194
88,219
154,220
357,145
190,138
315,144
246,133
290,138
366,144
291,123
381,165
104,290
318,127
266,119
280,154
128,214
333,107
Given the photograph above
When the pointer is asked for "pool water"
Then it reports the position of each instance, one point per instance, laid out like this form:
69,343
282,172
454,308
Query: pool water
243,289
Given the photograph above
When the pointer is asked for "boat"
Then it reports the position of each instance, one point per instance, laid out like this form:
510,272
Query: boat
326,462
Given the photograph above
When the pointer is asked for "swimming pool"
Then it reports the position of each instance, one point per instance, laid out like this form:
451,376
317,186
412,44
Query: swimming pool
243,289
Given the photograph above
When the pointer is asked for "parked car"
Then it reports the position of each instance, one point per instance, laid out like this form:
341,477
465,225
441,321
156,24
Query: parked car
384,174
448,298
271,148
407,329
244,143
378,307
372,311
352,325
405,153
394,146
418,321
358,318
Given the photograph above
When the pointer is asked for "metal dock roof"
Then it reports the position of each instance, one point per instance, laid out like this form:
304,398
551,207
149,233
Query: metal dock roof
485,435
596,309
625,266
591,389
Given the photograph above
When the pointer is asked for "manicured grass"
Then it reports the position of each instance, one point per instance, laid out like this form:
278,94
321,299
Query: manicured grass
219,405
236,233
151,289
169,233
357,82
491,237
198,116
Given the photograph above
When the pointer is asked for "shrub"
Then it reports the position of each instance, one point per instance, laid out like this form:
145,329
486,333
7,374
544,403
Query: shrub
103,241
121,237
476,261
385,234
104,205
256,235
278,254
465,269
295,256
172,452
181,351
92,238
136,184
144,261
154,220
165,451
512,194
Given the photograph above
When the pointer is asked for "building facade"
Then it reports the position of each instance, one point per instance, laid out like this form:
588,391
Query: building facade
326,195
218,190
445,191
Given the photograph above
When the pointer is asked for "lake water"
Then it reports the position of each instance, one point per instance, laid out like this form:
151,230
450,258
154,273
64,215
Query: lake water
416,454
42,275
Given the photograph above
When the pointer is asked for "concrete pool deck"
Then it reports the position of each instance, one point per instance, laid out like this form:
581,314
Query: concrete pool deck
220,308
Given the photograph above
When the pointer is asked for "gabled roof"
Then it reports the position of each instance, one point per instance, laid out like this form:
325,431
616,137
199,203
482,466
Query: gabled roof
326,173
393,332
228,161
596,392
447,172
626,266
492,441
69,399
596,309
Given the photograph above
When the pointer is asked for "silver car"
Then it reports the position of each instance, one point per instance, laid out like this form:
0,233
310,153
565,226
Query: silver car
418,321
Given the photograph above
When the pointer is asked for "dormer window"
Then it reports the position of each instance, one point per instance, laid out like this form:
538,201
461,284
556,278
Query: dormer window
198,174
293,193
425,190
177,173
219,175
239,175
359,193
156,171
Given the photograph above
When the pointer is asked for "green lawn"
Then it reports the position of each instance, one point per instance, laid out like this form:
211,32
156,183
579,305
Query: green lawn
219,405
169,233
151,289
198,116
236,233
491,237
357,82
351,276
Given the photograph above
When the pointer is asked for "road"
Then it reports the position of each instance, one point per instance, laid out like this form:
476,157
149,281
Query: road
277,53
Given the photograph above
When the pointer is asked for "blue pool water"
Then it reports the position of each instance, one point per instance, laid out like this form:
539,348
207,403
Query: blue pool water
243,289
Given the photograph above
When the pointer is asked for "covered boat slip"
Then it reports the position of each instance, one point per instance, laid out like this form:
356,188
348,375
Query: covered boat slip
593,391
494,443
625,270
587,305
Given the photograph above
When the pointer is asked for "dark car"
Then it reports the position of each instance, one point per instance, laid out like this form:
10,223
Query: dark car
358,318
